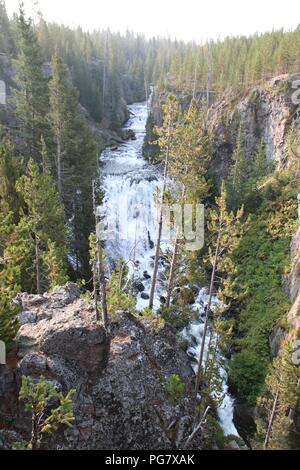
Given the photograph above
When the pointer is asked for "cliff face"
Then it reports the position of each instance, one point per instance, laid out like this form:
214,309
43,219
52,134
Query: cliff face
265,112
120,402
292,283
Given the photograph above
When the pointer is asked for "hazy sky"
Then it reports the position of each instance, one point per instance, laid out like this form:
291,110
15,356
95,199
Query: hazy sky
184,19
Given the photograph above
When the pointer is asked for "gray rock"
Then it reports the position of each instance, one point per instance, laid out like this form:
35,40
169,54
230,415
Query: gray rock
138,286
8,438
267,108
145,296
120,399
27,317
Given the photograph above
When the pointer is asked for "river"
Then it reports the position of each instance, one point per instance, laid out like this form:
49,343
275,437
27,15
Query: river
130,183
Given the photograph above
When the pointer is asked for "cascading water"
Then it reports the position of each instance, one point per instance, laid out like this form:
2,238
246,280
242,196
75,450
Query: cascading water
129,183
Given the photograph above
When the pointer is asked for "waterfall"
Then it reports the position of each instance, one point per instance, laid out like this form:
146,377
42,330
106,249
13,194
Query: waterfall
129,183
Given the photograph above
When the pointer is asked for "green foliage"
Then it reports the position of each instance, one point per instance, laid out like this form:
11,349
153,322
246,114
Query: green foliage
246,177
157,322
31,95
174,388
39,398
238,179
8,318
118,296
260,260
42,224
178,316
42,203
281,395
54,260
190,153
216,434
9,172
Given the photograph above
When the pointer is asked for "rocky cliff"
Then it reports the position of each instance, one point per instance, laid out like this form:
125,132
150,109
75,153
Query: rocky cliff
120,402
292,284
264,112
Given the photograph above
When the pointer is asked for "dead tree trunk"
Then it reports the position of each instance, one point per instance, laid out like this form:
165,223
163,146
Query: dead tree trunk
207,310
104,75
160,224
37,264
174,260
172,271
266,443
100,271
59,169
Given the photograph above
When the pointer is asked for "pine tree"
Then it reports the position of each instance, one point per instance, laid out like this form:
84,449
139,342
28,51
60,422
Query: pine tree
188,164
38,396
190,153
226,228
44,215
9,172
8,318
166,140
6,37
63,107
54,261
31,94
280,403
238,179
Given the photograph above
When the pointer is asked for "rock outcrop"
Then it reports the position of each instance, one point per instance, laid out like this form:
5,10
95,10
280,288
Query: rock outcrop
291,285
120,402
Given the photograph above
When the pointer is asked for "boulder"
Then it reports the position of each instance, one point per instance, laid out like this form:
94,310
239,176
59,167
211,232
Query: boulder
145,296
138,286
64,326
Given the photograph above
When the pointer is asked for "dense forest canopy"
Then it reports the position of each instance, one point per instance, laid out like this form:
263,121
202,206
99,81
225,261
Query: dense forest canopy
107,66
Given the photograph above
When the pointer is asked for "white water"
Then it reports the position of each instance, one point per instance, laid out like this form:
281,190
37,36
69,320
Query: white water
194,334
129,183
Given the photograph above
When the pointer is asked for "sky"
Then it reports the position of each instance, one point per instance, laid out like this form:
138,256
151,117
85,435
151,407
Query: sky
189,20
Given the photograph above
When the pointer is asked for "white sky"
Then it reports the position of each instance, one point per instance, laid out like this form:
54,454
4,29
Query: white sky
184,19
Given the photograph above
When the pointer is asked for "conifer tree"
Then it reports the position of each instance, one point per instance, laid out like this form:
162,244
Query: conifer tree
238,179
8,318
9,173
166,142
31,95
44,215
63,106
280,403
49,409
188,165
226,228
6,37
